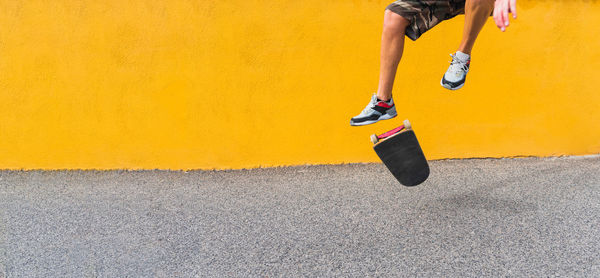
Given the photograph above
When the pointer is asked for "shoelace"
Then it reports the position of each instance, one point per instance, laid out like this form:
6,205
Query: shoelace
457,62
369,107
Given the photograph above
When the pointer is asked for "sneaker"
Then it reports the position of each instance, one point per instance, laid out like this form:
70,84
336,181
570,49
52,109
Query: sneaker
375,111
456,75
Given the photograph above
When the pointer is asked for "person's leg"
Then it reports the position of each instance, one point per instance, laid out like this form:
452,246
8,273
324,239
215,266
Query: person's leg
392,46
477,13
381,106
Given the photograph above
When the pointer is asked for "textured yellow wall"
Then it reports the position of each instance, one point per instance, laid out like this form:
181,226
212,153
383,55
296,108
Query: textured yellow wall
208,84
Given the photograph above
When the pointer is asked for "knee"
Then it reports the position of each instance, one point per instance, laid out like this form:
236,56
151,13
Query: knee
393,22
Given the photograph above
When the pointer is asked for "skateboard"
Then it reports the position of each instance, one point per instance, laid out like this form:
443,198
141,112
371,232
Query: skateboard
401,153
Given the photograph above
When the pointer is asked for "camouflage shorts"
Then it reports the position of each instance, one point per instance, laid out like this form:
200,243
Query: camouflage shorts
424,14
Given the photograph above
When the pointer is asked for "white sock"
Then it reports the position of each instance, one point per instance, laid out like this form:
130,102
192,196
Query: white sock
462,56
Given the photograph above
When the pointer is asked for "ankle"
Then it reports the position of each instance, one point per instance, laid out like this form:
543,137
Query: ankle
383,98
463,55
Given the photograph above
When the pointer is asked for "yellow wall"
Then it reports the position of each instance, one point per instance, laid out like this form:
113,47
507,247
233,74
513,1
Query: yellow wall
188,84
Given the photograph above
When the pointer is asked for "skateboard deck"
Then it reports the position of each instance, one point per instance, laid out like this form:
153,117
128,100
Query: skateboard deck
401,153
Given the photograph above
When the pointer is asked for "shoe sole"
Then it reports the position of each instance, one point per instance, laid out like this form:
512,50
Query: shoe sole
383,117
448,86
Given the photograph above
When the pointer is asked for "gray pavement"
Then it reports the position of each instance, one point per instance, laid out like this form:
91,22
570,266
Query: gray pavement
481,217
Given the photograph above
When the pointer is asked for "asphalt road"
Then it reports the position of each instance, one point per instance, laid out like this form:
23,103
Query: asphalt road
472,218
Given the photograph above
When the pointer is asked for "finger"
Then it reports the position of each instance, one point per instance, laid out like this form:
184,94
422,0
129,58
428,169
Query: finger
501,18
513,8
497,18
505,13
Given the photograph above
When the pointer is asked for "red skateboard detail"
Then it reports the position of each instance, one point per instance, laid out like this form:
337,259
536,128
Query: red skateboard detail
391,132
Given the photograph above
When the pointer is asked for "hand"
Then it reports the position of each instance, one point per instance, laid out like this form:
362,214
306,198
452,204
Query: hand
501,10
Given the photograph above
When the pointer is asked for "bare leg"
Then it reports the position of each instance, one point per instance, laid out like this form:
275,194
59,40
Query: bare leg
392,46
476,14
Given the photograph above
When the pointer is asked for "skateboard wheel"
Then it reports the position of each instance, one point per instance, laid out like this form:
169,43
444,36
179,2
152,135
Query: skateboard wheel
374,139
407,125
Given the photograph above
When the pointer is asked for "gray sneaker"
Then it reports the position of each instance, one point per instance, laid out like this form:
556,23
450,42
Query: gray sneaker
456,75
375,111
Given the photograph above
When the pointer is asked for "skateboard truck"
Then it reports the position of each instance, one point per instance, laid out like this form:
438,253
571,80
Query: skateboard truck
375,138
